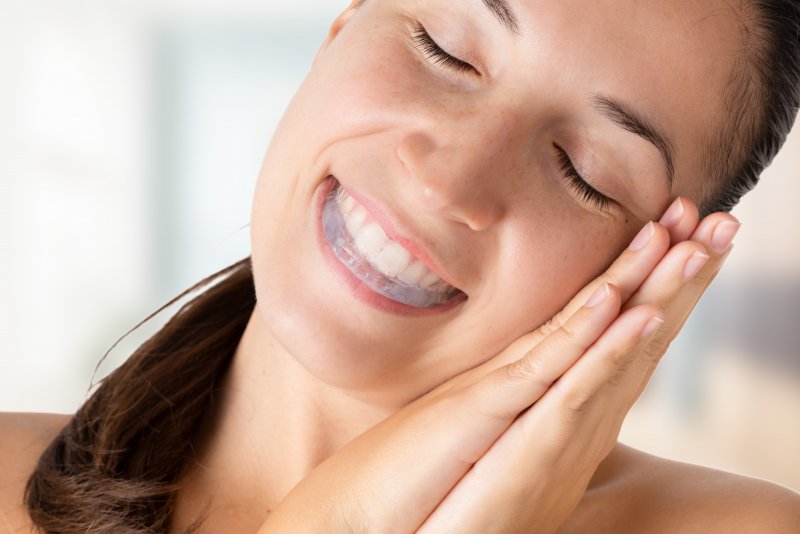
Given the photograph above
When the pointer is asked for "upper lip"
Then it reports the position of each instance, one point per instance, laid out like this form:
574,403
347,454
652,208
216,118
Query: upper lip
396,230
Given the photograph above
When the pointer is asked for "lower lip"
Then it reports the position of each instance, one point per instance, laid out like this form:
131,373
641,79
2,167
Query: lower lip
358,288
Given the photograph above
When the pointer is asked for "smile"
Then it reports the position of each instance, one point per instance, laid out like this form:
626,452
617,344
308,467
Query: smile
361,244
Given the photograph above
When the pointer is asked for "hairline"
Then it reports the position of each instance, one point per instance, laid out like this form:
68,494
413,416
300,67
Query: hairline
744,102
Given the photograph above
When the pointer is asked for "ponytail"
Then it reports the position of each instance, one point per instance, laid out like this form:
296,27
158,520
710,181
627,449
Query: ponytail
115,467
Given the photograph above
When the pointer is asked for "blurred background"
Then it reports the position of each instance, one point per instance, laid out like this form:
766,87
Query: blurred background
133,132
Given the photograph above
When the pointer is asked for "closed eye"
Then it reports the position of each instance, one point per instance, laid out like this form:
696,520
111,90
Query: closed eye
575,181
435,54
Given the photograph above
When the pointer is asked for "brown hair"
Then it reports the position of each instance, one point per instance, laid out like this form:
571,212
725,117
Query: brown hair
114,468
762,99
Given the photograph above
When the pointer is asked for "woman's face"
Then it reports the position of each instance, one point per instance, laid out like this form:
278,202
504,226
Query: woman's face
472,163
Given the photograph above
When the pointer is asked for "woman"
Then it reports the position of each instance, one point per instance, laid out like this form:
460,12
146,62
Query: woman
455,294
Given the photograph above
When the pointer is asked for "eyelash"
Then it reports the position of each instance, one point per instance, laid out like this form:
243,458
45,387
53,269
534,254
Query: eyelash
433,52
585,191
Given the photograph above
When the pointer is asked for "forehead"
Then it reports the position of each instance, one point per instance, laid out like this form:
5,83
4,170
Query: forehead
671,59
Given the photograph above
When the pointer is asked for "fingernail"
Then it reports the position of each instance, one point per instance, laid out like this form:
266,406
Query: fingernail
723,235
643,237
652,325
673,214
598,296
694,264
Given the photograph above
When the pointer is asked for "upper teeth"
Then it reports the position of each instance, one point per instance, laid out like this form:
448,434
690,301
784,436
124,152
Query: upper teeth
388,256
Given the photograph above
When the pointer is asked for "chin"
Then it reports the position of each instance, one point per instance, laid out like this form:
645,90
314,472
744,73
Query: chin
336,354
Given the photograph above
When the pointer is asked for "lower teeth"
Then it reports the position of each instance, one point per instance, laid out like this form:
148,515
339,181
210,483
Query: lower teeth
343,247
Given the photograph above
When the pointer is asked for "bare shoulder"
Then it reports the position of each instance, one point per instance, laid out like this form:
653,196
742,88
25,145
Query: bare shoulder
23,437
637,492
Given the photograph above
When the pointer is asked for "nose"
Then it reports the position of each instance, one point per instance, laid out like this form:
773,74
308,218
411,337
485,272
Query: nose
456,173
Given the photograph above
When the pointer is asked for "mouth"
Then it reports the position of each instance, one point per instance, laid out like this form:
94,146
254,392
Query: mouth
387,267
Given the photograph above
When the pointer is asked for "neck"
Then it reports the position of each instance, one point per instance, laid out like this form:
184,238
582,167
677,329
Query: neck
273,423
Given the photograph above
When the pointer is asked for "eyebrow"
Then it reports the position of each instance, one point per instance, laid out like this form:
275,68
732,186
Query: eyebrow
636,124
502,12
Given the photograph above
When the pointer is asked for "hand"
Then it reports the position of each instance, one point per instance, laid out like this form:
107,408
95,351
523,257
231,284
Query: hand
419,462
531,479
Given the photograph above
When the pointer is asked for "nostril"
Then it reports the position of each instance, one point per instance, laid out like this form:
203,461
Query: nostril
447,179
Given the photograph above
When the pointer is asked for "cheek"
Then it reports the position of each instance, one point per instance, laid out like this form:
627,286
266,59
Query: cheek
541,270
335,102
365,81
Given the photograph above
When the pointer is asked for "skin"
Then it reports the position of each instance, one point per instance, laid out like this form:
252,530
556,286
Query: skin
327,395
468,167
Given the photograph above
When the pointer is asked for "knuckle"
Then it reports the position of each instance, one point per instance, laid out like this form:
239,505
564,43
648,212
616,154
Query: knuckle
528,368
516,371
575,404
621,371
615,353
700,281
551,325
655,351
620,358
608,350
568,334
704,277
354,517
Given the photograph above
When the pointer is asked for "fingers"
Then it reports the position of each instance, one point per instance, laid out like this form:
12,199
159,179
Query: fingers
675,287
627,273
576,420
679,223
563,425
680,219
610,355
676,284
716,232
510,389
682,263
702,258
682,306
648,262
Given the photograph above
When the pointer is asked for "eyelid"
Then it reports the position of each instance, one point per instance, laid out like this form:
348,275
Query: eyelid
580,186
437,55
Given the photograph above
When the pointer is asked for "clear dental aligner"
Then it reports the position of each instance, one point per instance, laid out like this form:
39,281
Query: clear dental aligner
373,258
